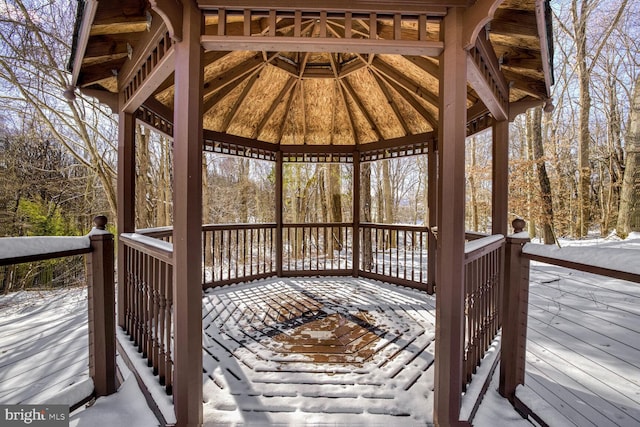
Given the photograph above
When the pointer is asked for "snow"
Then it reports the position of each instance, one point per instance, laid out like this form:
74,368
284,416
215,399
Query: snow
23,312
150,241
480,243
626,260
14,247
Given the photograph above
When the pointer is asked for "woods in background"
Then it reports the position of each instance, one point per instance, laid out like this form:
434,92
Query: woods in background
572,171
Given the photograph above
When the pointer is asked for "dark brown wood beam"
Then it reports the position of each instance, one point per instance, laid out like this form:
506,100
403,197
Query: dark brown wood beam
317,44
233,74
432,7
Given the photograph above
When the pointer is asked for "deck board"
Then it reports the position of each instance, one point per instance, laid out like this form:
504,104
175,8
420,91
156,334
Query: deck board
333,350
583,349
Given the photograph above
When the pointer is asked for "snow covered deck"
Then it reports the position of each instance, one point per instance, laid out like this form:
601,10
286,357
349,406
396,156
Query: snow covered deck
44,356
318,350
583,349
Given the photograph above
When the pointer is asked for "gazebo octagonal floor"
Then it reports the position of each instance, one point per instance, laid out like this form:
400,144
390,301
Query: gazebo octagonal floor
323,351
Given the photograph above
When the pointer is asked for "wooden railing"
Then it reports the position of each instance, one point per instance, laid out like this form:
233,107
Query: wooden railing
484,260
148,295
238,252
99,252
519,253
322,248
396,252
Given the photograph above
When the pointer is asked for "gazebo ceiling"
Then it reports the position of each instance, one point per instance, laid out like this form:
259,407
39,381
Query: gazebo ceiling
325,96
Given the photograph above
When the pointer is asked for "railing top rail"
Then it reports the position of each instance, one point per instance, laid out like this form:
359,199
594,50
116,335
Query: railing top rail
474,235
156,248
616,263
18,250
318,224
238,226
479,247
408,227
156,231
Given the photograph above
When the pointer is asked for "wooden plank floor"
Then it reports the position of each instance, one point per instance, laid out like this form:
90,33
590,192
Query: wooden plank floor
43,346
336,351
583,349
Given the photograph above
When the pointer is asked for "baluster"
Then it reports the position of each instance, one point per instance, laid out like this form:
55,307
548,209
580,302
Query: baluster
169,332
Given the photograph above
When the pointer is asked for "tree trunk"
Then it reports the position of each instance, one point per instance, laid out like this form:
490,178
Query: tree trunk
472,186
543,178
388,202
335,194
629,211
365,193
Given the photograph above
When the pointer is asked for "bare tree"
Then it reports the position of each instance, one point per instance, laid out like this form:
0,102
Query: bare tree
34,44
629,212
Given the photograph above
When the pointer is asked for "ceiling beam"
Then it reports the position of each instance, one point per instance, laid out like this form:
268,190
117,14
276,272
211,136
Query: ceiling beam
432,7
317,44
233,74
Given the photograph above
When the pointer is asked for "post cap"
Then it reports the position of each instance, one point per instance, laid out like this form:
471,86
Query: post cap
100,221
518,225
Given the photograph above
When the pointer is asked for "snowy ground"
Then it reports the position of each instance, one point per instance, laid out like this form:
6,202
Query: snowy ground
24,317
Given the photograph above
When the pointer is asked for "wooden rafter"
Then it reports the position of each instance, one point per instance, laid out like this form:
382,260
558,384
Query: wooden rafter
234,110
352,124
400,79
233,74
410,98
394,106
356,99
274,105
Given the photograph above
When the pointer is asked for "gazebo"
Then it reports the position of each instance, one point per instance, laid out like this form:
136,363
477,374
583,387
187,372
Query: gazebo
333,81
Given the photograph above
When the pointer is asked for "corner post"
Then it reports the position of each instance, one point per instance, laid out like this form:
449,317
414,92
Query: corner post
126,191
102,313
187,231
432,221
515,300
451,235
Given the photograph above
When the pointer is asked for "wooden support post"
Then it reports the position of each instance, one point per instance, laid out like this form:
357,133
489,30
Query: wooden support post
432,220
500,172
515,304
451,233
102,310
279,213
126,198
187,231
356,213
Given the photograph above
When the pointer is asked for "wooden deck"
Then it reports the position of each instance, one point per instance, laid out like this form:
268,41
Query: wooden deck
583,349
44,347
329,351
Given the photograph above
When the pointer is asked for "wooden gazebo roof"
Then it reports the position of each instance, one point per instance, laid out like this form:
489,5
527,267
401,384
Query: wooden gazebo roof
313,90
